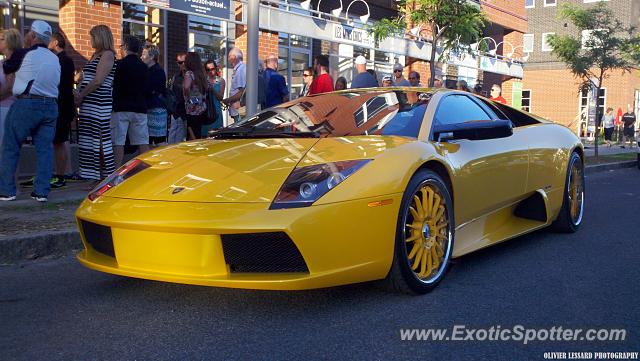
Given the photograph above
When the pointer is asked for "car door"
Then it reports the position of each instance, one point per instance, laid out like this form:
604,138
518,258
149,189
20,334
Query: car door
489,173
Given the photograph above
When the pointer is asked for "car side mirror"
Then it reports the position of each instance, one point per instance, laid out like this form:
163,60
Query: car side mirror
473,130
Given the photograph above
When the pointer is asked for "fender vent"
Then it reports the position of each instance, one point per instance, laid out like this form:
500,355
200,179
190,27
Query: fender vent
99,237
272,252
532,208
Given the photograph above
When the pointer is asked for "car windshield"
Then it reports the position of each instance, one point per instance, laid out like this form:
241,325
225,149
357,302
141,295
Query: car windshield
337,115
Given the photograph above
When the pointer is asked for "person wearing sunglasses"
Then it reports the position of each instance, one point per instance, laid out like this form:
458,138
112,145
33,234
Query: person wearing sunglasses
398,78
175,103
307,78
215,94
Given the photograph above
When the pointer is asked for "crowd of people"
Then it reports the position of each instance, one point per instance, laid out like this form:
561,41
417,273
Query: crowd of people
116,102
125,98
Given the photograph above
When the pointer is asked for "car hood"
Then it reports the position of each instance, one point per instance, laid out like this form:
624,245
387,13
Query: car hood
238,170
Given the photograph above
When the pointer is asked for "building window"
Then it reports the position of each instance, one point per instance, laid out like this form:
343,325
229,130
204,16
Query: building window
584,100
526,100
206,37
588,40
530,3
528,43
294,55
550,2
586,126
545,42
145,23
19,15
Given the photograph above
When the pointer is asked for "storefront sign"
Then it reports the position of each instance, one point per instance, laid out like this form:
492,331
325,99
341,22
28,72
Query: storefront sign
349,34
280,21
215,8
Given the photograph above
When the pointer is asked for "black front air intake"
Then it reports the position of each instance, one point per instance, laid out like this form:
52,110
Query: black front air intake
99,237
272,252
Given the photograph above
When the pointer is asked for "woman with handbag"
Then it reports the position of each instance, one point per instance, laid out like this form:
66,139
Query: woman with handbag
215,93
194,88
155,92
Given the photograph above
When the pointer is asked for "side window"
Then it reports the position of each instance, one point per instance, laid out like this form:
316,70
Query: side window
493,108
455,109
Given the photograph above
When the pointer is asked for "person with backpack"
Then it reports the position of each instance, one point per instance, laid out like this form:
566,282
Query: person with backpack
194,88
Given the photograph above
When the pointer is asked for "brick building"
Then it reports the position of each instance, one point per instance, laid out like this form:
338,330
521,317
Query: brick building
294,30
549,88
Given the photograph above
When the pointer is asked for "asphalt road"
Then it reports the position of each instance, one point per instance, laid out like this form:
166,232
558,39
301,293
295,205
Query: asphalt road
58,310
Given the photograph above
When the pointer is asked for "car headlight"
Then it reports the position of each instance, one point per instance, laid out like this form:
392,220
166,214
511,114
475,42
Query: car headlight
306,185
128,170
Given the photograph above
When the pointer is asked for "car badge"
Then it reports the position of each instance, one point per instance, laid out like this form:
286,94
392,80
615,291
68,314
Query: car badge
177,190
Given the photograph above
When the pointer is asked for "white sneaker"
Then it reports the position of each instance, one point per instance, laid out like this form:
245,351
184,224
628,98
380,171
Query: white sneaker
7,198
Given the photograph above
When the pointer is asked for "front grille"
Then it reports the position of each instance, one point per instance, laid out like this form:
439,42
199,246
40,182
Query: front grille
99,237
272,252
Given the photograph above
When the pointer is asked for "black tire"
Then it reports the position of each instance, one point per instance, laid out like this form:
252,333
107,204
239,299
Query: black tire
401,277
566,223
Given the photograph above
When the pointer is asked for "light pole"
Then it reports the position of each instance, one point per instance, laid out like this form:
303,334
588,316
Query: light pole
363,18
253,31
492,52
504,42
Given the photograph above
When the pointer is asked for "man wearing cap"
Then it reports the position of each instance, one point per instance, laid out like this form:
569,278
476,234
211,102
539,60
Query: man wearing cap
399,78
34,113
386,81
363,79
277,91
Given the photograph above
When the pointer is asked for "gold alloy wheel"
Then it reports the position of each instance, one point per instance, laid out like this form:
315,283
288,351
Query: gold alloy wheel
427,233
576,193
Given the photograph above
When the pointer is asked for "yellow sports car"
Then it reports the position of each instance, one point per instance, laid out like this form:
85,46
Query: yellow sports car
337,188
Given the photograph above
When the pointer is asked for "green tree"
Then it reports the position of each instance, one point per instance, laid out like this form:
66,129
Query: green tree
453,25
601,45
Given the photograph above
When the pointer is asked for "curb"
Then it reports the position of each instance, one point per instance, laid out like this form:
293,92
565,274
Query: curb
591,169
38,245
52,201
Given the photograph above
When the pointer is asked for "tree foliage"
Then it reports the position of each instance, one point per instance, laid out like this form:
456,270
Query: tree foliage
452,25
607,46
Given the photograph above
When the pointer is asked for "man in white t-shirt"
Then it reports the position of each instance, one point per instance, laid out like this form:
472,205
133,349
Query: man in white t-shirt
34,113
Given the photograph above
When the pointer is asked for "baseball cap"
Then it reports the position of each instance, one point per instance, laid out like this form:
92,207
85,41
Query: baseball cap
398,66
361,60
386,78
41,27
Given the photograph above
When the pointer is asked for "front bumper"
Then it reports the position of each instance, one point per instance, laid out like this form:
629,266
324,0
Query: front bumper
181,242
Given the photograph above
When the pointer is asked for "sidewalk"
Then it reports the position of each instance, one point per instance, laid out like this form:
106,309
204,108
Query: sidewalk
30,230
603,149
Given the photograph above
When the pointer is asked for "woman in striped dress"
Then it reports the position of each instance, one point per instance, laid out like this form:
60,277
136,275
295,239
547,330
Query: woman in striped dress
94,98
